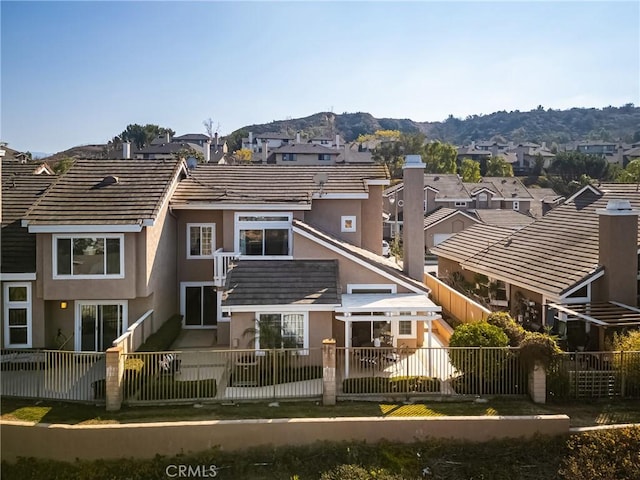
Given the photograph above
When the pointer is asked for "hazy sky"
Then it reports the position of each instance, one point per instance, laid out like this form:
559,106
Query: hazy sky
80,72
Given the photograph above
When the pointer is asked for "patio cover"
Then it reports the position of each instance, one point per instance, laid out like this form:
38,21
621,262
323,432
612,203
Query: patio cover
605,314
388,304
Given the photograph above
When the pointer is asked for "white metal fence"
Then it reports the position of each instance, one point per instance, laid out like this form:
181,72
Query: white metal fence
53,374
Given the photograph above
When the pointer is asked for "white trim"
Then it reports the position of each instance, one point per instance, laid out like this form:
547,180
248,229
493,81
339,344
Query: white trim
213,240
448,200
183,305
358,260
262,225
382,287
17,277
343,223
594,190
81,228
26,304
330,307
578,286
305,325
264,207
71,276
340,196
377,181
77,329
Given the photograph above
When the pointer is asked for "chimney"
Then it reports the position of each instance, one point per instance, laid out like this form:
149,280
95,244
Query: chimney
251,141
126,149
413,217
298,137
265,151
215,139
618,251
207,151
337,140
168,137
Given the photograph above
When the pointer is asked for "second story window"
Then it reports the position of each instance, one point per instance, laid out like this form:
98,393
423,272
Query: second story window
324,157
288,157
516,205
200,240
460,204
88,256
263,234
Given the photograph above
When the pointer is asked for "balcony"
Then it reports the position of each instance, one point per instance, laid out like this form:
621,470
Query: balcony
223,262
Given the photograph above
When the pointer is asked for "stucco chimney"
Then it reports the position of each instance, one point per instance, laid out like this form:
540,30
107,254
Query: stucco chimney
618,252
413,217
298,137
251,141
126,149
337,140
265,151
215,139
207,151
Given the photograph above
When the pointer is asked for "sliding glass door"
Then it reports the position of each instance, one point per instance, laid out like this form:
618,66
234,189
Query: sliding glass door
99,324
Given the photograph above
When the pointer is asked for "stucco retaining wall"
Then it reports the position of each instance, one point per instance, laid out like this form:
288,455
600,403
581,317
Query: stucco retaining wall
111,441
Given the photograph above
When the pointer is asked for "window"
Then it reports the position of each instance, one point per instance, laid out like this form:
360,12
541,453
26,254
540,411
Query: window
405,327
200,240
483,197
88,257
516,205
17,315
288,157
98,324
324,157
282,330
348,223
460,204
263,235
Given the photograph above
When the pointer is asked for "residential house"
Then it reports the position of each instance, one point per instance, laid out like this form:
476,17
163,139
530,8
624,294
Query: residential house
575,269
302,154
258,142
23,183
104,251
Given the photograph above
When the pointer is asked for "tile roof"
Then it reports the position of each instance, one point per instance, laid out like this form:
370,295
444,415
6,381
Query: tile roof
552,254
20,189
86,196
448,186
376,261
505,187
470,241
504,218
283,282
442,213
271,184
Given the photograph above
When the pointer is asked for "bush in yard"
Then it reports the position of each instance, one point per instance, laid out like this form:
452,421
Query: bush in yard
628,363
509,326
538,347
603,455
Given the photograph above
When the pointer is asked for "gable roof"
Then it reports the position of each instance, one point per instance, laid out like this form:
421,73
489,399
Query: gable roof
443,213
448,186
256,184
107,192
21,187
504,187
553,254
282,282
504,218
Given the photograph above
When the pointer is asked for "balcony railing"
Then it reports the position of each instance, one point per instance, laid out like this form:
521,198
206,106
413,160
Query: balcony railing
223,262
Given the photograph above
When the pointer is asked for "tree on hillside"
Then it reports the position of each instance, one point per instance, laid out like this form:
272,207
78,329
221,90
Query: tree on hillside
571,166
498,167
390,154
142,135
470,171
440,157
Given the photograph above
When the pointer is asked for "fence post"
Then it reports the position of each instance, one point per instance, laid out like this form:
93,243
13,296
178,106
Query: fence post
622,369
114,373
329,371
538,383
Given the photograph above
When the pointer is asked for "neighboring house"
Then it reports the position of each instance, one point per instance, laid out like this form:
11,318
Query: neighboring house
308,256
23,183
522,157
575,269
258,142
302,154
611,151
511,219
544,200
445,222
165,147
105,251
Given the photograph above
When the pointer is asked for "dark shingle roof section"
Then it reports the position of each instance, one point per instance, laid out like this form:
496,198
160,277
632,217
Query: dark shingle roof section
554,253
86,195
271,184
504,218
20,189
283,282
470,242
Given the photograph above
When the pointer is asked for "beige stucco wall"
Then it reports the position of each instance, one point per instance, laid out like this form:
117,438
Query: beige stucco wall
195,270
450,225
90,442
371,221
326,215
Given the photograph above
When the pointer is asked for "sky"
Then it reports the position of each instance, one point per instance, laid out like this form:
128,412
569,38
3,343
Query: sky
75,73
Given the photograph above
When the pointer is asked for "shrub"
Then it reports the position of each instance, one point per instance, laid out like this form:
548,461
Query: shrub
509,326
603,455
538,347
376,385
628,363
162,340
479,334
356,472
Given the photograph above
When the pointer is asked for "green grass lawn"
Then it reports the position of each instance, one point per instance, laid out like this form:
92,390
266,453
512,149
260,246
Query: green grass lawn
581,413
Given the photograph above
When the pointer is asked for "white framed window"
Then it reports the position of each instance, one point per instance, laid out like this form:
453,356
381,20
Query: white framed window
405,328
98,323
483,197
460,204
289,157
263,235
516,205
282,330
201,240
348,223
17,315
88,256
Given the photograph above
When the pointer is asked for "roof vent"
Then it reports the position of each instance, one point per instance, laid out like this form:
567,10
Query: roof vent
109,180
619,205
